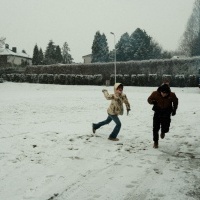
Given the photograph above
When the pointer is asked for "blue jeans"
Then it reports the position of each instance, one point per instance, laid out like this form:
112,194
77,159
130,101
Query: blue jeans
107,121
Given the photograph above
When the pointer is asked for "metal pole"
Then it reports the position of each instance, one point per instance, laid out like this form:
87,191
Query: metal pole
115,55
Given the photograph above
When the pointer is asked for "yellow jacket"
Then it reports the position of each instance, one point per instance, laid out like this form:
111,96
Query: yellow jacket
117,100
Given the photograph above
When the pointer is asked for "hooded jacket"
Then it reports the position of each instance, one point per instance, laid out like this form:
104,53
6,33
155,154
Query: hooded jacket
117,100
168,103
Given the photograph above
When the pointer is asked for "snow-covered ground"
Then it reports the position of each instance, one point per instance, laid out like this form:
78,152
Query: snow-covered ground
48,150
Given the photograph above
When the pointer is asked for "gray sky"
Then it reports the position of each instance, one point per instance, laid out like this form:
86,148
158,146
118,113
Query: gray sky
27,22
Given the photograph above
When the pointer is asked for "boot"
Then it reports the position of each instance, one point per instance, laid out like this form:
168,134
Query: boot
155,145
113,139
162,135
93,129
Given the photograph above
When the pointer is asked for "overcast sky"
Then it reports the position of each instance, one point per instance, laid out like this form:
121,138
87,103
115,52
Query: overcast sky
27,22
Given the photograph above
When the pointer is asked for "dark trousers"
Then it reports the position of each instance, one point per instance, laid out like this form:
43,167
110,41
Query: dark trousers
107,121
161,120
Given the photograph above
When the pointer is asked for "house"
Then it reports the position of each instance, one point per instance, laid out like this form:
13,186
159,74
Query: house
87,59
10,58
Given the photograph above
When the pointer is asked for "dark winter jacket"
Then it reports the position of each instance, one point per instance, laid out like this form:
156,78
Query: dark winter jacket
163,104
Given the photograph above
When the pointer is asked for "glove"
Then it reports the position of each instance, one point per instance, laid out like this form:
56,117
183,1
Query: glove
173,112
104,90
155,106
128,111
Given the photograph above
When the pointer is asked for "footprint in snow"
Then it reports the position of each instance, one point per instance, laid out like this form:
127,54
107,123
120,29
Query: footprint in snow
129,186
157,171
71,140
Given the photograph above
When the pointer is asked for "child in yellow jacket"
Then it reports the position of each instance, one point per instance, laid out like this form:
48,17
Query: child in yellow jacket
115,109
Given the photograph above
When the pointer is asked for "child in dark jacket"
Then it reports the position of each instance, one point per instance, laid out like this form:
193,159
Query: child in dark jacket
165,104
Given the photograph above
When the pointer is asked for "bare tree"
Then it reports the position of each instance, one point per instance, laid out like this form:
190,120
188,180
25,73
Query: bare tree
2,41
192,30
67,58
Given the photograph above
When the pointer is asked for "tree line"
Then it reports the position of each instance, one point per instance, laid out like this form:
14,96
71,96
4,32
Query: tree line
137,46
52,55
141,46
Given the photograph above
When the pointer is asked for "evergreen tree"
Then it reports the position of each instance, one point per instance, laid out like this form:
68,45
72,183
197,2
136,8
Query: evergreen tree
96,48
35,59
122,48
58,55
133,46
104,49
67,58
139,45
41,57
100,50
50,55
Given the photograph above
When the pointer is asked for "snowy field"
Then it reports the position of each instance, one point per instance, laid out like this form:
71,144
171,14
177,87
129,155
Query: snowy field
48,150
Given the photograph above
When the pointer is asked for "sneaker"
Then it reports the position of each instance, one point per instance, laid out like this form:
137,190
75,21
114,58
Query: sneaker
155,145
113,139
162,135
93,129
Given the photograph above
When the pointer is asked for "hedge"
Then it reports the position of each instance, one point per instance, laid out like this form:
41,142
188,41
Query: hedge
178,80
